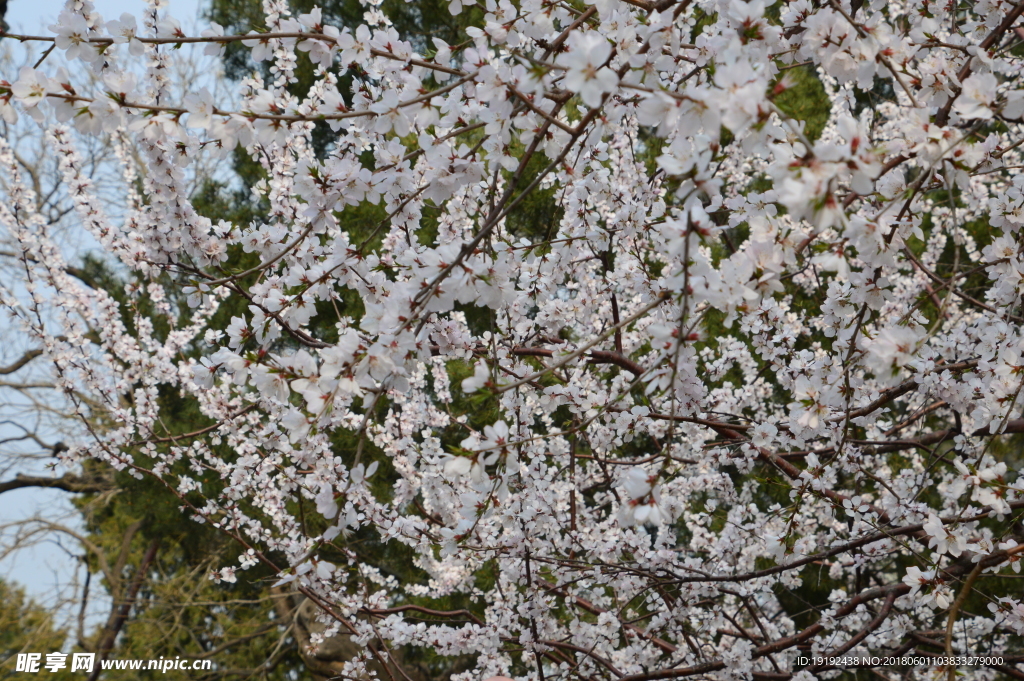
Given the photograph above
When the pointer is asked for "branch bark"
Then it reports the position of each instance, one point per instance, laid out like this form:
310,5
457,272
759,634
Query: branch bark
21,361
75,484
121,610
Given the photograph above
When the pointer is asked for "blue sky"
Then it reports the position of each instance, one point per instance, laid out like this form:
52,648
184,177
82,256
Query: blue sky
33,16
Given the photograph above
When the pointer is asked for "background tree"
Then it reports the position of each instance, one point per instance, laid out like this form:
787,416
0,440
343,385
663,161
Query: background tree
24,627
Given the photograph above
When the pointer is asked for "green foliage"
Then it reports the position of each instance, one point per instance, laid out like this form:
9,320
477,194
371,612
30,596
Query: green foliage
26,627
881,91
537,216
183,613
417,22
805,100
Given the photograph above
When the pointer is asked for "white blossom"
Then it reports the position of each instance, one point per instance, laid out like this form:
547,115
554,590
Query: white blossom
694,325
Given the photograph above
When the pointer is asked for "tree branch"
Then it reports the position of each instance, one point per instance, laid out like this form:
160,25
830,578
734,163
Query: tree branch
21,361
76,484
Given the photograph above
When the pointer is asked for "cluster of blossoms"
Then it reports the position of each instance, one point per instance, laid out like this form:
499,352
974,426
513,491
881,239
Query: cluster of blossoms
744,355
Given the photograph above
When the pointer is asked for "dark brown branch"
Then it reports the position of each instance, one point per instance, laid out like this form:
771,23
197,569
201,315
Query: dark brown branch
593,357
76,484
594,610
120,612
948,284
21,361
863,633
380,612
942,117
889,591
837,550
891,394
1012,426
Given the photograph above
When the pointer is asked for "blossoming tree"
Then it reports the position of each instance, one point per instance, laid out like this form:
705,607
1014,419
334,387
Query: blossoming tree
750,395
